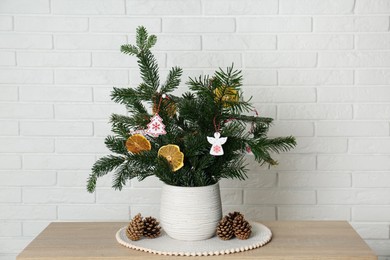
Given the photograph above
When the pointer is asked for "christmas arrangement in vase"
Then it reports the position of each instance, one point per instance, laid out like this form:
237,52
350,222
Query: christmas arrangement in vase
192,140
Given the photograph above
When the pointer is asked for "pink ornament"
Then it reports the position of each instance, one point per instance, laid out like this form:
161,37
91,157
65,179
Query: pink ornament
156,126
217,141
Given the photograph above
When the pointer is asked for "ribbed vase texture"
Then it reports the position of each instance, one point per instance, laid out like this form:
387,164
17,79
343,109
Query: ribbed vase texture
190,213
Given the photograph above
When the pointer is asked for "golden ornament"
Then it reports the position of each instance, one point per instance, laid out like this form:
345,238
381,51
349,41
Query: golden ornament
226,95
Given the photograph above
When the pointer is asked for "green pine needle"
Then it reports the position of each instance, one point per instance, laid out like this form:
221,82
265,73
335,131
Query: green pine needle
129,49
116,144
101,167
173,80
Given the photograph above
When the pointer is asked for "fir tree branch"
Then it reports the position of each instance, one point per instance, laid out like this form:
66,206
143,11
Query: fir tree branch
195,145
152,39
144,161
164,172
238,107
116,145
260,130
121,124
129,49
142,37
249,119
261,154
127,172
120,177
200,85
145,92
124,96
261,146
280,144
233,169
137,108
140,165
230,78
121,119
101,168
148,66
173,80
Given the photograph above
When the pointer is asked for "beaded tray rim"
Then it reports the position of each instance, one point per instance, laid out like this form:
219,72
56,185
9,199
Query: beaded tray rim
262,236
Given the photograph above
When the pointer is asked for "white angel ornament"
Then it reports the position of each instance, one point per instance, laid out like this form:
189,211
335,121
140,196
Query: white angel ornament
217,141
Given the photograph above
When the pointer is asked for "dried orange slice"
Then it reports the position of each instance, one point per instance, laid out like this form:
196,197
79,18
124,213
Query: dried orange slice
172,153
138,143
226,94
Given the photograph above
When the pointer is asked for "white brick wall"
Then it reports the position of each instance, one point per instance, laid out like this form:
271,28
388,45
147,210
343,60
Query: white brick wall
321,68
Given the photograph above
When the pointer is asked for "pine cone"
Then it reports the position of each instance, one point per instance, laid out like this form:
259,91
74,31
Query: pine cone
225,229
135,228
231,216
242,228
151,227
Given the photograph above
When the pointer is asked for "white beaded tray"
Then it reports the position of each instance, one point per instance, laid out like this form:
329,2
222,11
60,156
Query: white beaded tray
165,245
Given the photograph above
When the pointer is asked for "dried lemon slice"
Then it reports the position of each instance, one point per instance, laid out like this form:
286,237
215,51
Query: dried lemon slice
172,153
138,143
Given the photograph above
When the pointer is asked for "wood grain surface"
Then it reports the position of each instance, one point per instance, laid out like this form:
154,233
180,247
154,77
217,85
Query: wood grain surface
291,240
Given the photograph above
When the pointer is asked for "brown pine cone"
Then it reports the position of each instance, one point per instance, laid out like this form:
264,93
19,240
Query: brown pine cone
232,215
151,227
242,228
225,229
135,228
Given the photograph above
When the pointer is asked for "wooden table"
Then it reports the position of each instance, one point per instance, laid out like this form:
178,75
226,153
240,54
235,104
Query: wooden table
291,240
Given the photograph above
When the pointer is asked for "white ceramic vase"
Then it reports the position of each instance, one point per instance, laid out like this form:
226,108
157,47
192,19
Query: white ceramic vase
190,213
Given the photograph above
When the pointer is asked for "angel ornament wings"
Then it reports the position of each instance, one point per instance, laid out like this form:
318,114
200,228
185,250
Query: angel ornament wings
217,141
